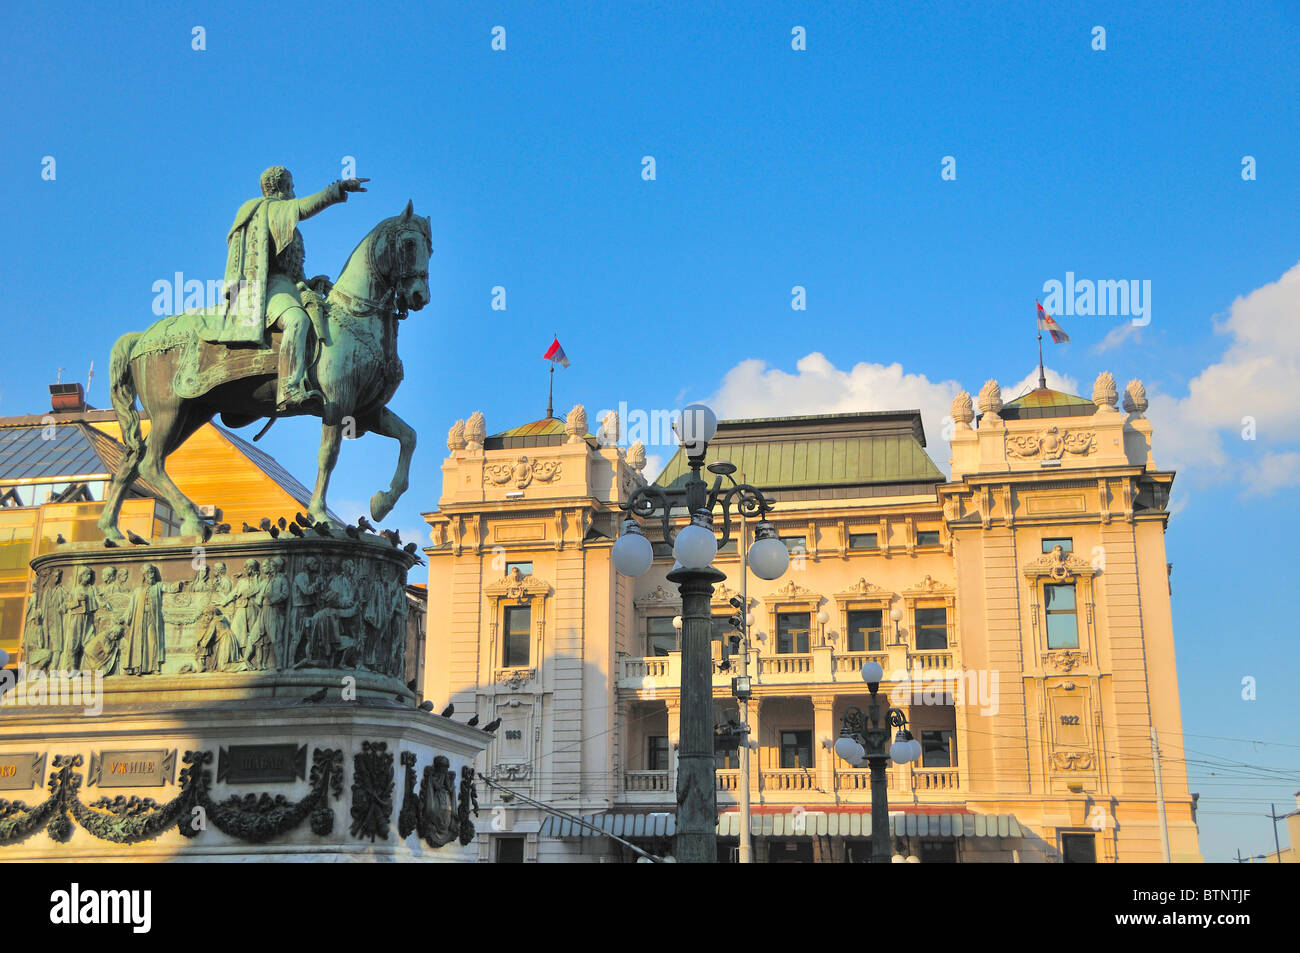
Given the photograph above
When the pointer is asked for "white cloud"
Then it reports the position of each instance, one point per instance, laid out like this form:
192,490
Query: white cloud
1258,377
1117,336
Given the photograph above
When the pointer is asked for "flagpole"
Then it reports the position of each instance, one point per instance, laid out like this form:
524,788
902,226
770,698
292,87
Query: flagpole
550,392
1042,377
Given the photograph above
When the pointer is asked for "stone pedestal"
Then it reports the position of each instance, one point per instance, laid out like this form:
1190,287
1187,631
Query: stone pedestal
240,700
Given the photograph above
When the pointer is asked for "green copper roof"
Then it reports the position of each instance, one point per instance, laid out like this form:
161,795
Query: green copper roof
820,452
1045,402
540,433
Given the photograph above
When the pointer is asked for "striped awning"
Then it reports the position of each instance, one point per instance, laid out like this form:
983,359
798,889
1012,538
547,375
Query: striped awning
792,824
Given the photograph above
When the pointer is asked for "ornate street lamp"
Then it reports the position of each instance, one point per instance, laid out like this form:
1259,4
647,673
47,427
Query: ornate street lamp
694,548
864,740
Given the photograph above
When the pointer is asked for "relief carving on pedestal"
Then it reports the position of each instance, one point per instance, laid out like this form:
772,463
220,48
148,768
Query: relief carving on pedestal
1051,444
1072,760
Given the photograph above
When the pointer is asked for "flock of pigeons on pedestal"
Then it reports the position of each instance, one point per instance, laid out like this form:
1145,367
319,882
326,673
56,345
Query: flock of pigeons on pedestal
299,527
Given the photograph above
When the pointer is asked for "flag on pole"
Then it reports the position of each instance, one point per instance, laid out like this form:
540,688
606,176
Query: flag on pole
1048,323
555,354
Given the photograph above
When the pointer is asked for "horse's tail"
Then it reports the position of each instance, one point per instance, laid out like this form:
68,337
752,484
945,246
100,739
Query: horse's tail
121,386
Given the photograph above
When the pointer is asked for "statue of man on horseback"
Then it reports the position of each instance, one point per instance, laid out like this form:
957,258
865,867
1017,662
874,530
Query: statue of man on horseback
265,282
248,360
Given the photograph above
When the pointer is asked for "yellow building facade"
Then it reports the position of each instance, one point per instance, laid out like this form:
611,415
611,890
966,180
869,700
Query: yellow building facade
1020,608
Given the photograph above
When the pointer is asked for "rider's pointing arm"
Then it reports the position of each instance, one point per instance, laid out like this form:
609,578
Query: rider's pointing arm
332,194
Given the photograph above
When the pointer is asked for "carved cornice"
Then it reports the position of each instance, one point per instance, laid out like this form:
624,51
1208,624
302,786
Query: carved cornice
1064,660
515,679
792,592
1059,565
517,586
659,598
929,587
861,591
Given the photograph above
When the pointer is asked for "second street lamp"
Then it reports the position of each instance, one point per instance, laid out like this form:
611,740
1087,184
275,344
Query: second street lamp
694,548
864,740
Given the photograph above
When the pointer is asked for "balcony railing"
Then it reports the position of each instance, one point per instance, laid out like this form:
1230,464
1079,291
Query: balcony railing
785,665
728,779
789,779
901,781
634,781
851,663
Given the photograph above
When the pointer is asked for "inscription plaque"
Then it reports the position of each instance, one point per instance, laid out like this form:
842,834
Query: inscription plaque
18,772
262,764
132,769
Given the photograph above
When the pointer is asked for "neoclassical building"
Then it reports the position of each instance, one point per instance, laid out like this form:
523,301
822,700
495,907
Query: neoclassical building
1020,609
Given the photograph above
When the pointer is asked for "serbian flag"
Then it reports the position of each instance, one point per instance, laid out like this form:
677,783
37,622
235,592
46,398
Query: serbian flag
1048,323
555,354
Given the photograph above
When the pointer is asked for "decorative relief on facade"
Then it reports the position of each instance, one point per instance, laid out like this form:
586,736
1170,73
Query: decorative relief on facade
928,587
792,592
1064,660
437,814
515,679
1051,444
521,472
862,590
1135,398
1104,394
962,411
512,772
1072,760
372,790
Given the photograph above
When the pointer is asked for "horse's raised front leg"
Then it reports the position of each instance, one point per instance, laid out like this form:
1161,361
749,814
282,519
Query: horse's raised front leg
330,435
388,424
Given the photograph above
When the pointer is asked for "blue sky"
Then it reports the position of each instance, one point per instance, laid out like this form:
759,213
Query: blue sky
775,168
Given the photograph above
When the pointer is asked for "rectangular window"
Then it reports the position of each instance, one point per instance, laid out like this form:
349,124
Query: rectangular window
796,749
939,749
1078,849
657,753
862,541
1065,542
510,850
661,636
525,568
792,632
518,622
1062,623
932,628
798,545
865,630
927,537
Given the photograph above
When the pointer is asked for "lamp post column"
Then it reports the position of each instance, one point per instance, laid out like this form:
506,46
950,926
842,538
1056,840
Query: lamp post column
697,803
880,844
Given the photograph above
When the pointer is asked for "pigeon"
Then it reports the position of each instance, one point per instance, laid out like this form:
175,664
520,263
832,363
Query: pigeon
473,721
398,698
410,548
364,524
352,532
315,697
58,538
245,528
110,543
426,706
265,524
274,531
448,711
411,684
392,536
223,528
282,523
302,521
296,530
492,725
136,540
322,529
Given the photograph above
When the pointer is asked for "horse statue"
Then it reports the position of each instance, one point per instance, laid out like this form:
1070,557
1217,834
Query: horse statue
183,381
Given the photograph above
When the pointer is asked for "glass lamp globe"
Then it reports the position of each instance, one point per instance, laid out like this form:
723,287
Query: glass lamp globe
900,752
916,750
768,557
896,614
823,617
897,859
677,622
696,426
848,749
695,546
872,673
632,553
